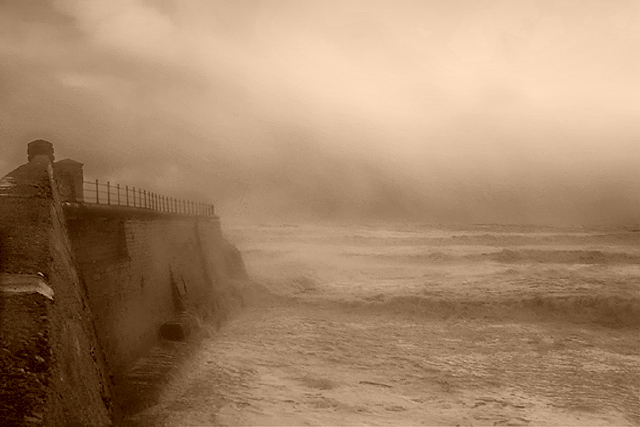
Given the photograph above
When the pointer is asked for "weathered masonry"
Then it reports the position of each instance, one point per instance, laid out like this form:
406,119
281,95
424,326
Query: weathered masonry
86,287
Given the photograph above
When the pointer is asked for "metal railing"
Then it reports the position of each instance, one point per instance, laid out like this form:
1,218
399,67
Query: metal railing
101,193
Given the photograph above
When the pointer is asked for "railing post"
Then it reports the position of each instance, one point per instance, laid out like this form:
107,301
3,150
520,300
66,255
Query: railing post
145,198
108,193
126,192
118,192
97,193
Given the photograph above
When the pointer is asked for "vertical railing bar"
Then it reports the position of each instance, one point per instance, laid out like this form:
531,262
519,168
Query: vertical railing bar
118,192
126,193
97,193
108,193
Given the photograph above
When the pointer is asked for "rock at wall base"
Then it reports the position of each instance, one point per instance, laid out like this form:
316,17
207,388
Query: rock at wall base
176,329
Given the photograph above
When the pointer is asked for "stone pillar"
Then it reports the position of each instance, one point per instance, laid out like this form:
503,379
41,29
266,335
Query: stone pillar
69,176
38,147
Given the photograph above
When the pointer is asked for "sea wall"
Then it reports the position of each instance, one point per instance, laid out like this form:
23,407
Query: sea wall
51,368
85,291
140,272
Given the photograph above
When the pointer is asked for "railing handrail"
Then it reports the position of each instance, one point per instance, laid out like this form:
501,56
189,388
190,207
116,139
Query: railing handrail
106,193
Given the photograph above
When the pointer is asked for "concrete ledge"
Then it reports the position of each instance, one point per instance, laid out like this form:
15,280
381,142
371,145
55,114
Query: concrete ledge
25,284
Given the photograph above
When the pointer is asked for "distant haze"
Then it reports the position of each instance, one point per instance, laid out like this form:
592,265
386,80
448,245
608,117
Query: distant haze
471,111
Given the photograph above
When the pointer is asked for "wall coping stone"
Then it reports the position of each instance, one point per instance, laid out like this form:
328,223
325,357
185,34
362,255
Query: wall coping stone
25,284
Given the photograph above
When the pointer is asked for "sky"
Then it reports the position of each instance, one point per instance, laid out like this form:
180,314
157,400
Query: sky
516,111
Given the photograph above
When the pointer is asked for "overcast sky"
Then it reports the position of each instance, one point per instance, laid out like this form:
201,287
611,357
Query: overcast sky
481,111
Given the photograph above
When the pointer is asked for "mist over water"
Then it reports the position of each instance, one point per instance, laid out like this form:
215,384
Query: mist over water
462,111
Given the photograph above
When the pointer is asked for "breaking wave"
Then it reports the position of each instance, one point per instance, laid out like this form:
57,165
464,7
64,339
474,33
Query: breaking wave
562,256
510,256
610,311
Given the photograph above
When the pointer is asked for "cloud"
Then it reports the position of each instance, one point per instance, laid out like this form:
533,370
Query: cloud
470,111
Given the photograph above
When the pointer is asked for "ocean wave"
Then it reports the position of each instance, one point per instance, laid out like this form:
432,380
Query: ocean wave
513,256
610,311
490,239
561,256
